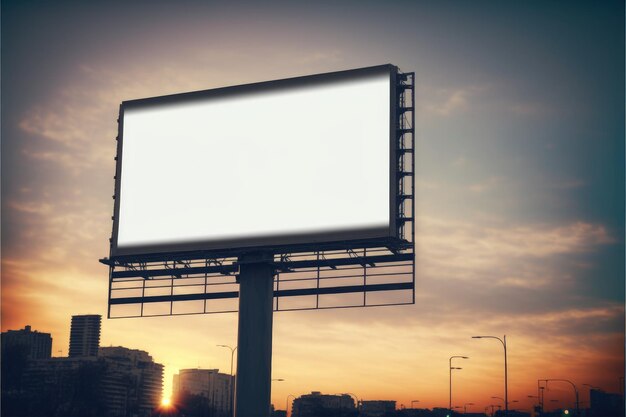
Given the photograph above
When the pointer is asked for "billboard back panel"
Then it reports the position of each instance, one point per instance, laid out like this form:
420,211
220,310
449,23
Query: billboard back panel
286,162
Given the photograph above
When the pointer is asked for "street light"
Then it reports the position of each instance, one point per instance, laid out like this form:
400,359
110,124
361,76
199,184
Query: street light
230,384
451,368
414,401
541,392
278,379
506,379
498,398
573,386
538,402
465,407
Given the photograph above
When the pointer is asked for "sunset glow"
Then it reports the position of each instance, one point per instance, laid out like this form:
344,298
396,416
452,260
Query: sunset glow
519,186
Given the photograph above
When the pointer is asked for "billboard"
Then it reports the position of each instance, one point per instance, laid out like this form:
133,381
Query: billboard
279,165
316,172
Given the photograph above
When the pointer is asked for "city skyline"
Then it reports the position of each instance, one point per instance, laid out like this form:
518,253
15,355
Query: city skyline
519,184
555,400
91,380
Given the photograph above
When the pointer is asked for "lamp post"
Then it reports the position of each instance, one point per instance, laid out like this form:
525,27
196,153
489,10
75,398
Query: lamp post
541,393
573,386
498,398
534,396
230,384
621,391
506,378
451,368
465,407
414,401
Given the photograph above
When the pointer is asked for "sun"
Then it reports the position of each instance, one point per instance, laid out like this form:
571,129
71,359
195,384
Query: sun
165,402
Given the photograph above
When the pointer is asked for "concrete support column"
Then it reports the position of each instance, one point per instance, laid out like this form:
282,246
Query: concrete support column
254,357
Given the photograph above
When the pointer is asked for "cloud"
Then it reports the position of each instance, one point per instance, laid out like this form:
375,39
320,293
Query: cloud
421,184
569,185
446,102
75,129
460,162
30,207
58,224
487,185
533,109
506,255
333,56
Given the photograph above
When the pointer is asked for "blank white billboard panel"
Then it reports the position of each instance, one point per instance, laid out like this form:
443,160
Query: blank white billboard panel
307,162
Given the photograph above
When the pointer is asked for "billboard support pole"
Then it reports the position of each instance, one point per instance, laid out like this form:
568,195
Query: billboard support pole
254,358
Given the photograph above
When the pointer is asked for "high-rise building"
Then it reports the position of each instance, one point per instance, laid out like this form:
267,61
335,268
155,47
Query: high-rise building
145,376
34,344
316,404
605,404
85,335
208,383
19,348
119,382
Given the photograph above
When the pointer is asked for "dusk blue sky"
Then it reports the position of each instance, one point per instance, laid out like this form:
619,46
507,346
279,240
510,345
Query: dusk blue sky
520,180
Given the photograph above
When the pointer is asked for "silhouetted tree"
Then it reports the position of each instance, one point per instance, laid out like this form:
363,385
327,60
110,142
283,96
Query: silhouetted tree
75,393
192,405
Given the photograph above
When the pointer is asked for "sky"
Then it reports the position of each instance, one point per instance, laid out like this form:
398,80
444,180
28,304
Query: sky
519,183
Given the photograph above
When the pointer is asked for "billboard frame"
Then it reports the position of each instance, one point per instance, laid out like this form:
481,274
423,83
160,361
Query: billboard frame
296,242
371,266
